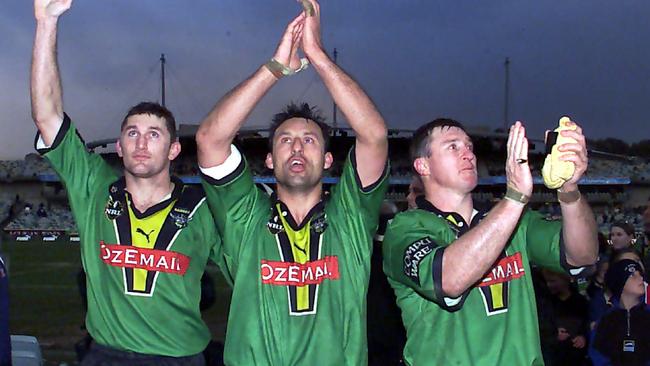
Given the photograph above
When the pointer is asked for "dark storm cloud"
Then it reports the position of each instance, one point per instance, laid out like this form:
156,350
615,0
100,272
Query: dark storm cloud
417,59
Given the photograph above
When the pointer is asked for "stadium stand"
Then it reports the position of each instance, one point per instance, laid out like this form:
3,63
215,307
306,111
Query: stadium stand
606,178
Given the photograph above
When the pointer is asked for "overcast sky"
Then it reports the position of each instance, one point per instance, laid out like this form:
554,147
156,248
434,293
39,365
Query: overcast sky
418,60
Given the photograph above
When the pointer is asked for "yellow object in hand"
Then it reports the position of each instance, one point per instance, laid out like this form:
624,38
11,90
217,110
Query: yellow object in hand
555,171
308,7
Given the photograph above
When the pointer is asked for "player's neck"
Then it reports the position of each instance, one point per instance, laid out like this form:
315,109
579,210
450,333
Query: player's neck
299,203
147,192
449,200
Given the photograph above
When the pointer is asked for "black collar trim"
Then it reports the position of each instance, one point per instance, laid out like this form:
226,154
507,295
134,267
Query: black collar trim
459,224
319,208
118,192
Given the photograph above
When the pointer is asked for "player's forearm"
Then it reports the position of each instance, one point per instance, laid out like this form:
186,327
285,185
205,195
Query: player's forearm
220,127
467,259
45,83
354,103
579,233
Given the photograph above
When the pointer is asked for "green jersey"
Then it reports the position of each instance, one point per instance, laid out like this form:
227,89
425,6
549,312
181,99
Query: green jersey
493,322
299,294
143,269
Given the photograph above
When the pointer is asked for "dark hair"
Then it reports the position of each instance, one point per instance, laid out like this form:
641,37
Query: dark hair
617,254
627,227
157,110
302,110
420,141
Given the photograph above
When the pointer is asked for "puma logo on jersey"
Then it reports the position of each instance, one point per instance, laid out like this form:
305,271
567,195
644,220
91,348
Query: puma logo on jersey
140,231
300,249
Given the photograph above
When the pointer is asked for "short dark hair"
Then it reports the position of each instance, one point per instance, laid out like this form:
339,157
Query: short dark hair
617,254
626,226
300,110
157,110
420,141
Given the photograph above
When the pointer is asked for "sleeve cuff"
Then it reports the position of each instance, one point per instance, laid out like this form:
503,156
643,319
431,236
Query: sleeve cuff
371,187
63,128
447,303
228,167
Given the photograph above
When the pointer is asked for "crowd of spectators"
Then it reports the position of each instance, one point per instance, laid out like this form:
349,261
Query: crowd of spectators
42,219
574,313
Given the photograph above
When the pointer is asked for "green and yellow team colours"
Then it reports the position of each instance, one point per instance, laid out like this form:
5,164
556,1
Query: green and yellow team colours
493,322
299,288
143,269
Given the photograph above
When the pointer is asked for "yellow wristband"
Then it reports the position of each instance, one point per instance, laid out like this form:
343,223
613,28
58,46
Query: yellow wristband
514,195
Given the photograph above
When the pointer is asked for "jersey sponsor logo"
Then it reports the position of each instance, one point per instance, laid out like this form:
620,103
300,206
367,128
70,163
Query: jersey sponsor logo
414,254
296,274
149,259
506,269
494,287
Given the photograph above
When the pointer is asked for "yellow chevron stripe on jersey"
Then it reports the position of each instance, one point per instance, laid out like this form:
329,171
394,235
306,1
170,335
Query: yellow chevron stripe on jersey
497,295
300,245
144,233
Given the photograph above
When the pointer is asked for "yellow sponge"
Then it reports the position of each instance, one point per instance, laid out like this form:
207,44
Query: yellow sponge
555,171
308,7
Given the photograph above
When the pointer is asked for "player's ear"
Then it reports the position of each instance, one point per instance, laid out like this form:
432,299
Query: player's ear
269,161
174,150
118,148
421,166
329,160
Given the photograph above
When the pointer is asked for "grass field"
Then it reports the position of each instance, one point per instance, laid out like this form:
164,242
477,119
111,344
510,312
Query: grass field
45,300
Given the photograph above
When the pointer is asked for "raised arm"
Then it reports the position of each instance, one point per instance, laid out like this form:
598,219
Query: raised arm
467,259
219,128
360,112
578,221
45,84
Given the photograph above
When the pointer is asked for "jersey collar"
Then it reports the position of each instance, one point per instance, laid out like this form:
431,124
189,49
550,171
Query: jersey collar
118,193
453,218
316,215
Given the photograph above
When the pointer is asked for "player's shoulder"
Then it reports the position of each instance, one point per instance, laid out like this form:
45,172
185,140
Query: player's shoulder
414,222
415,217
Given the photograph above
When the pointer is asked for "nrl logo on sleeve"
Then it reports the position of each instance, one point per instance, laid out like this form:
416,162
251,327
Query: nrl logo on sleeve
275,225
113,209
414,254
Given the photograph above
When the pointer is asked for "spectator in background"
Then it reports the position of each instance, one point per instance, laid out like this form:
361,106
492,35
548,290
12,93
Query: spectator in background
646,219
596,291
415,189
41,210
570,314
622,336
621,236
5,340
646,229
